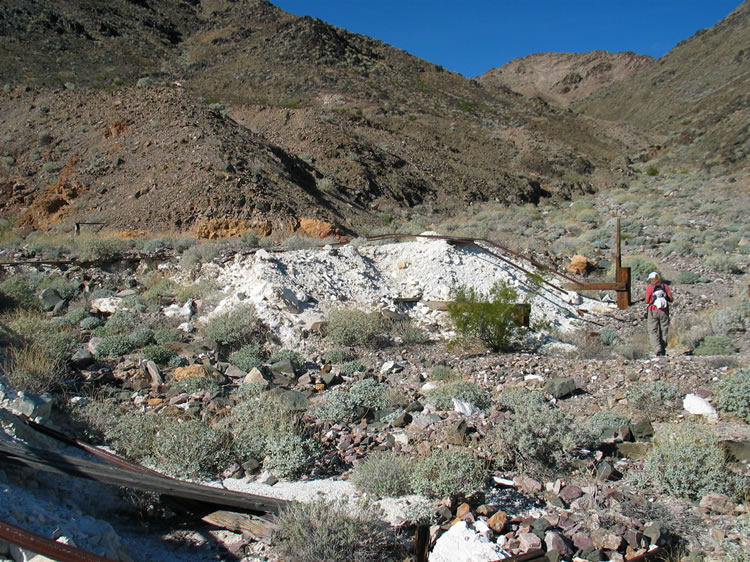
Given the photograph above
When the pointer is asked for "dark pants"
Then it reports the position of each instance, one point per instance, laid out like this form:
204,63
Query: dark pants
658,330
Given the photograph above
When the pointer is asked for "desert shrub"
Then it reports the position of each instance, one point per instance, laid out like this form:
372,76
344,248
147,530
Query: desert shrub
490,318
734,394
726,321
163,289
351,326
191,449
121,322
369,394
141,337
442,396
89,323
634,348
338,355
76,314
690,278
448,472
443,373
653,396
113,346
606,420
287,455
100,249
199,254
19,294
66,288
608,337
322,531
652,171
744,307
250,239
247,358
348,368
715,345
688,461
293,356
517,399
28,370
133,434
334,407
538,438
410,333
158,354
384,474
639,267
196,384
296,242
233,328
722,264
202,289
164,335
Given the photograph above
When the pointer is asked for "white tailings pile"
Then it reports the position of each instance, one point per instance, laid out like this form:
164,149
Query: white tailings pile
294,289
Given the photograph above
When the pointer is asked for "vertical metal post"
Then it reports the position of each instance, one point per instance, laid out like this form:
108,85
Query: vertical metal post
622,274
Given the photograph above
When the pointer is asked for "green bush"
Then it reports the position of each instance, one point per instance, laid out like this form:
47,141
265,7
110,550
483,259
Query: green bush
722,263
100,249
639,267
19,294
66,288
687,461
199,254
410,333
734,394
652,171
608,337
76,314
196,384
165,335
690,278
538,439
89,323
287,455
122,322
369,394
448,472
490,318
519,398
443,373
141,337
715,345
158,354
113,346
348,368
234,328
384,474
351,326
247,358
164,289
294,357
726,321
335,407
606,421
323,531
653,396
191,449
442,396
338,355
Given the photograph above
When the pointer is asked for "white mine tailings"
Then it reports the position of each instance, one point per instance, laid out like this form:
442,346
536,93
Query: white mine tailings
294,289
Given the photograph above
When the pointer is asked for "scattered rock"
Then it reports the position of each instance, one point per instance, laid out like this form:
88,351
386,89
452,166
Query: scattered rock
698,406
560,387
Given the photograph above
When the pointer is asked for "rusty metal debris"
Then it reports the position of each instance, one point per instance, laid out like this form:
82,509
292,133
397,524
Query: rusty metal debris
47,547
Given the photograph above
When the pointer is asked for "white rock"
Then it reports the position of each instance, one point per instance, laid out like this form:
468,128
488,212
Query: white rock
402,438
427,386
176,311
107,305
699,407
267,478
463,407
539,378
462,544
186,327
387,366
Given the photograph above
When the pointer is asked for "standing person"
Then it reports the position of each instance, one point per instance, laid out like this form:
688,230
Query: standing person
658,297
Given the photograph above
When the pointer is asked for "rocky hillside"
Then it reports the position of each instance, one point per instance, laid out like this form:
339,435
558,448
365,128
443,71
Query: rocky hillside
564,78
697,94
239,111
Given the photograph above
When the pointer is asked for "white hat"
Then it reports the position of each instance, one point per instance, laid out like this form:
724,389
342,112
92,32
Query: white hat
652,275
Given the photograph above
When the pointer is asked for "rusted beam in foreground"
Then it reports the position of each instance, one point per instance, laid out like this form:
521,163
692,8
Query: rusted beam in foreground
56,463
47,547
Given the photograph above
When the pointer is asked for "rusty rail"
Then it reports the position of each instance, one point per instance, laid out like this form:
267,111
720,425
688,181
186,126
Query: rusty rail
47,547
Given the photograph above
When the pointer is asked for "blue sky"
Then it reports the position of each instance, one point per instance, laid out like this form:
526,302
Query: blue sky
472,36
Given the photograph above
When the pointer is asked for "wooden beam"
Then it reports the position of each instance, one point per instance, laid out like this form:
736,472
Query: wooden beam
597,286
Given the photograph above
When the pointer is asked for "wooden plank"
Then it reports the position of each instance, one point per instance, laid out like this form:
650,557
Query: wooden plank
241,523
45,546
623,297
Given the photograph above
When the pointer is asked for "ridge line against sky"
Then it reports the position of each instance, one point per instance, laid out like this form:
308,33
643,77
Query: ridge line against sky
474,36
